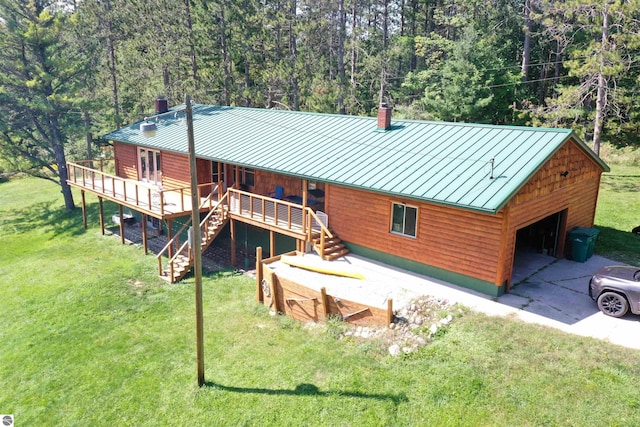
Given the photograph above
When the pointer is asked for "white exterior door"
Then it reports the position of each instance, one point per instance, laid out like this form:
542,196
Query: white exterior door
149,166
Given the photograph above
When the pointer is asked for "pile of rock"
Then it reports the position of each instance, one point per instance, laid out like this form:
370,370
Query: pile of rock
413,326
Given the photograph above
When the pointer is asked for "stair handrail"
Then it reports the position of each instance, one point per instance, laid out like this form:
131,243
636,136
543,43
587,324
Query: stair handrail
187,224
324,230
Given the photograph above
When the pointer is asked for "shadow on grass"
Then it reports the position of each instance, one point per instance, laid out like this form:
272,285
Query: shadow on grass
623,246
620,183
310,390
51,217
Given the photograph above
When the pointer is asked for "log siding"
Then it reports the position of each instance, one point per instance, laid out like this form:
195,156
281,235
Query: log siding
457,240
466,242
126,160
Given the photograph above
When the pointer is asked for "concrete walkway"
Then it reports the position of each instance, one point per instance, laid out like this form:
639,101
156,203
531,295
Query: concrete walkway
547,291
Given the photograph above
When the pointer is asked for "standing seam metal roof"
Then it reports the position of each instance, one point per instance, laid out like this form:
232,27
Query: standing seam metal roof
446,163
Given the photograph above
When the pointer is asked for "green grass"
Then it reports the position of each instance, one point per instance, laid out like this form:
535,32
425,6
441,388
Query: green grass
618,213
90,336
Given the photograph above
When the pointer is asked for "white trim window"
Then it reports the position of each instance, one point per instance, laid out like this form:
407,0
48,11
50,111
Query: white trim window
247,176
404,219
215,176
149,169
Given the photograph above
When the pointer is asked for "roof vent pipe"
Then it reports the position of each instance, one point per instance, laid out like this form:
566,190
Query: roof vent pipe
384,116
162,105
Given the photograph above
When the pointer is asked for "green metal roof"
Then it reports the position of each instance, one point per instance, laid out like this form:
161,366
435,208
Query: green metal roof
446,163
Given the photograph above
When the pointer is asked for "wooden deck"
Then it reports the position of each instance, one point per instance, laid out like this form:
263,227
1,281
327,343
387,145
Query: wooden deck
277,215
141,196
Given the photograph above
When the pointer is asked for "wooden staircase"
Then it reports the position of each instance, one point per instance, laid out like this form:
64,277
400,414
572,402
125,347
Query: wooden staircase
332,247
178,266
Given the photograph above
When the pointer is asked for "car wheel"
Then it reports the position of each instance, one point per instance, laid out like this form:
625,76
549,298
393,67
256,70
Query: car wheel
612,304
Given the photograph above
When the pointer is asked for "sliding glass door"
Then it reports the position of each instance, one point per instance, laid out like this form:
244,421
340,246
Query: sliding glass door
149,166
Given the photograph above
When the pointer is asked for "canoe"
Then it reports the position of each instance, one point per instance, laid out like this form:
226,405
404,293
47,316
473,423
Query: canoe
320,266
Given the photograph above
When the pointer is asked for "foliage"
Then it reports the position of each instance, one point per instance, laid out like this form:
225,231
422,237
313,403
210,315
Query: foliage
91,66
457,88
598,43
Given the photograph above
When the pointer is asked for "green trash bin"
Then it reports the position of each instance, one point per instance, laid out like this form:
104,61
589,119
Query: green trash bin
583,243
579,248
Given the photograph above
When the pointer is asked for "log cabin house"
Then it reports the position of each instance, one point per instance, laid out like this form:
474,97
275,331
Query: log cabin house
454,201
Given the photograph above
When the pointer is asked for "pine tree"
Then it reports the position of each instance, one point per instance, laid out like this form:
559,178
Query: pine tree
40,80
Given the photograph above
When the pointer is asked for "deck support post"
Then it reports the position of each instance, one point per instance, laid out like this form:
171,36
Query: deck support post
232,229
145,245
84,209
121,224
221,179
259,296
101,208
272,243
305,188
169,237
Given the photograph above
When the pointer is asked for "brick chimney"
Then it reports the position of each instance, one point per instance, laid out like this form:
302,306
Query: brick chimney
384,117
162,105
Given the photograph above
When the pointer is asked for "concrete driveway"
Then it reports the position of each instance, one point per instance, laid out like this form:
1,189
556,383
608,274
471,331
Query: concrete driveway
554,292
547,291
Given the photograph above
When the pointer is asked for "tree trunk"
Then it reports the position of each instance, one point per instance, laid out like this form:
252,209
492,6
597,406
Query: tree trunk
557,69
354,51
293,51
61,162
526,49
601,99
225,57
87,135
245,48
342,17
383,67
112,67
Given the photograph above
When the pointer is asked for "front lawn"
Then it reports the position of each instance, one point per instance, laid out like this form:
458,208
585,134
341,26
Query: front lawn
91,337
618,213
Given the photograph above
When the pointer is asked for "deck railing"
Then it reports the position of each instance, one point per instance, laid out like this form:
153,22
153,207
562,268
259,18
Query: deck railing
280,214
137,194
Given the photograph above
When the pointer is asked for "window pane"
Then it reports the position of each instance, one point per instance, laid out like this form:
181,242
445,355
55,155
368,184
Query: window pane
249,177
143,164
410,221
398,218
214,172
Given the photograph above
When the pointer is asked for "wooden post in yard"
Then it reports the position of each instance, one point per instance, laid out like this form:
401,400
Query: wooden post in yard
121,224
325,302
100,205
259,296
145,245
389,311
84,210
